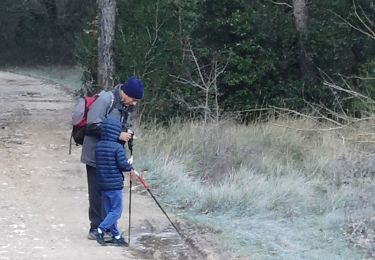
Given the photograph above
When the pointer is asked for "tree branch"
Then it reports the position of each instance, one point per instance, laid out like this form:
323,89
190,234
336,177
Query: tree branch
360,19
198,68
352,25
187,82
281,3
351,92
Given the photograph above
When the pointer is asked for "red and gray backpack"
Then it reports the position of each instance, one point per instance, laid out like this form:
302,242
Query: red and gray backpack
79,118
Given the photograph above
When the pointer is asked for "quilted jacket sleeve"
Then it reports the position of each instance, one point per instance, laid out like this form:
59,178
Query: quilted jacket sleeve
122,161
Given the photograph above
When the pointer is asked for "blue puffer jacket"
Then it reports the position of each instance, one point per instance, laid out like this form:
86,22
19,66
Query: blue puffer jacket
110,156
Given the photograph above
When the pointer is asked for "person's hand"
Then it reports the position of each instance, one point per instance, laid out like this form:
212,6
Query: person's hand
131,174
124,136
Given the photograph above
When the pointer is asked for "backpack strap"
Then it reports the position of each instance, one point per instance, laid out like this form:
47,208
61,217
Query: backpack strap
110,108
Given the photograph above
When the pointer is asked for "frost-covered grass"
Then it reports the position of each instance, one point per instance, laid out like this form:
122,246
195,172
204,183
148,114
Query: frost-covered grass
276,192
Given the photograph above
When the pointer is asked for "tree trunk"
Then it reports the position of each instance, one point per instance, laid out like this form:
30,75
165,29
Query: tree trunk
106,29
300,19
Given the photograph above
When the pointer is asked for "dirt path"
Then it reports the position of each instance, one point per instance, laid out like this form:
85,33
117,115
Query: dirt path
43,191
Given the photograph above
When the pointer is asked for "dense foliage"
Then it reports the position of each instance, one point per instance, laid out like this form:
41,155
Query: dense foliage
255,41
41,31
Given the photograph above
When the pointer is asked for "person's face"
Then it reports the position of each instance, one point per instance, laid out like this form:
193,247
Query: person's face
126,100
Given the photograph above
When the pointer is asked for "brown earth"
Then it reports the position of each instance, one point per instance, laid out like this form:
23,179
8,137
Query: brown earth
43,190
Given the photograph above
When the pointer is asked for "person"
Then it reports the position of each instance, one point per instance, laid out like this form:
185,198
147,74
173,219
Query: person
110,163
116,104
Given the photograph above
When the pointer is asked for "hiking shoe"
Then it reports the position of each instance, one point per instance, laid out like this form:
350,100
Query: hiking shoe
92,234
100,239
107,236
118,242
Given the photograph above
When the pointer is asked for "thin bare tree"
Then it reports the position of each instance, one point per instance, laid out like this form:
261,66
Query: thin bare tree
300,14
106,29
301,18
205,81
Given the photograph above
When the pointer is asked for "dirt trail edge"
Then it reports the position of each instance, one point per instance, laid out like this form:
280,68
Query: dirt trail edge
43,190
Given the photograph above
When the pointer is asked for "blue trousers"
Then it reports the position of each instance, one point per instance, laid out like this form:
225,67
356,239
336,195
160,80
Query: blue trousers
112,205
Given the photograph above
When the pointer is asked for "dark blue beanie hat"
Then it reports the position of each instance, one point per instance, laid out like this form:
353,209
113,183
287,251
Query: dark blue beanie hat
133,87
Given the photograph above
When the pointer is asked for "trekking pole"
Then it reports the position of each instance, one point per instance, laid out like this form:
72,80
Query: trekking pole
144,184
130,204
130,145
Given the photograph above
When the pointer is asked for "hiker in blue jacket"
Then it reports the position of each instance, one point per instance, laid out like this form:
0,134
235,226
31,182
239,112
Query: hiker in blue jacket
111,162
116,104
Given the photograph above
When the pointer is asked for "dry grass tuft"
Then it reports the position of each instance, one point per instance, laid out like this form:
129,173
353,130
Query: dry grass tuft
362,235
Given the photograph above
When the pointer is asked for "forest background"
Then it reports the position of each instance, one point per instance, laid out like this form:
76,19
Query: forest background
271,54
